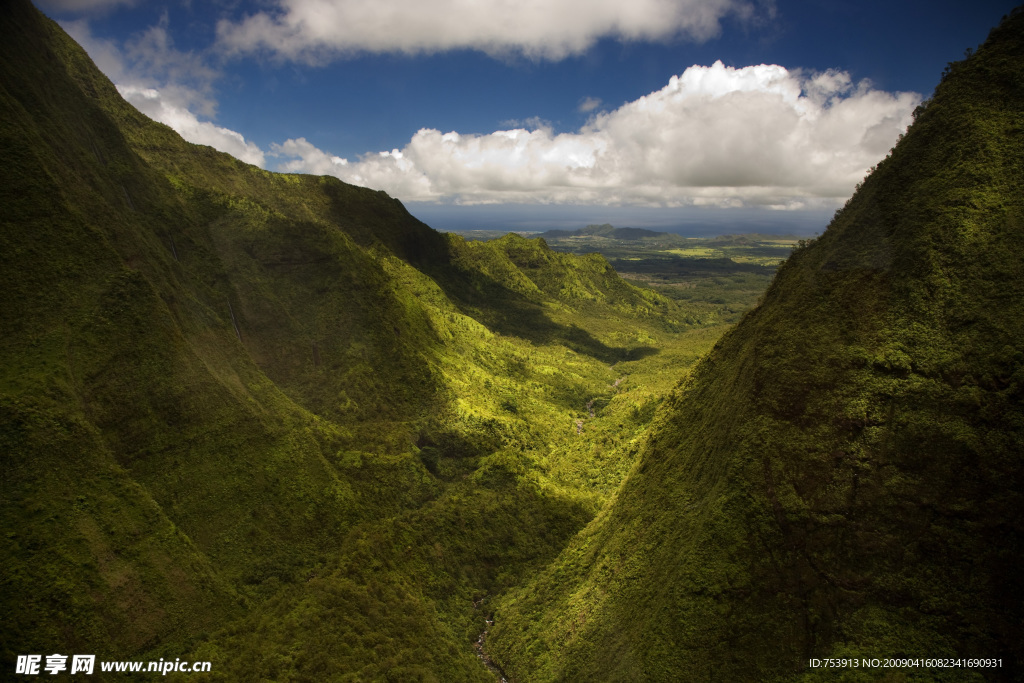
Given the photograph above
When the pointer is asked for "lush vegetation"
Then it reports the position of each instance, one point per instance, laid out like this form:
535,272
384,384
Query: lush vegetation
841,476
277,423
716,278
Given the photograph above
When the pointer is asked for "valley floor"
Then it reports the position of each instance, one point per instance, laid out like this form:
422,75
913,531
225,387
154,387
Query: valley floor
563,418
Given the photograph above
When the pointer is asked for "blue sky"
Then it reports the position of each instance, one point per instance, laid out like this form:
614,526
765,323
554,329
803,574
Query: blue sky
700,116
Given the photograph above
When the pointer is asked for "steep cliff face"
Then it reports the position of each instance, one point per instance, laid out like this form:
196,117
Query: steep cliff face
842,475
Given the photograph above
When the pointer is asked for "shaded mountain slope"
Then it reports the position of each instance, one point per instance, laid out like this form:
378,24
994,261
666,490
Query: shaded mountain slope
842,475
151,469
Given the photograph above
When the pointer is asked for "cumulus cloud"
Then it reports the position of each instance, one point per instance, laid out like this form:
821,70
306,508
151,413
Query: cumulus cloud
315,30
165,84
589,104
713,136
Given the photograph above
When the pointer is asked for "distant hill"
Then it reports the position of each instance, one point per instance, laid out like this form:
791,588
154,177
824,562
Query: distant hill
843,475
604,230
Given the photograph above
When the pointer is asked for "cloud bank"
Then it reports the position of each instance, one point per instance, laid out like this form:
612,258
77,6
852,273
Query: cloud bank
314,31
714,136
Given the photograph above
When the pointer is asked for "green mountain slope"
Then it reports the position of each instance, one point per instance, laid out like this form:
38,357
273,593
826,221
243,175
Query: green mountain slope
151,468
842,475
274,421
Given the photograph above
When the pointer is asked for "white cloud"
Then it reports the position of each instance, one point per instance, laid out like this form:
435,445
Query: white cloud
165,84
152,55
714,136
156,106
315,30
589,104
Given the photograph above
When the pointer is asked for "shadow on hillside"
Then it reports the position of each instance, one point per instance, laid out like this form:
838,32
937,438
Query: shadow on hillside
507,312
480,296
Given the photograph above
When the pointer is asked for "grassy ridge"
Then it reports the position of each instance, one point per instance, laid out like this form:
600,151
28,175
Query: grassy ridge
841,476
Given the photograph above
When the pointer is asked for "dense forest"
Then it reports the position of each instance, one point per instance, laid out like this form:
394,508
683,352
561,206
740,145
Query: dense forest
276,423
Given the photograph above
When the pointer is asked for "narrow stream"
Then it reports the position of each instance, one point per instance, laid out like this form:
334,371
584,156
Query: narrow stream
499,675
491,666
